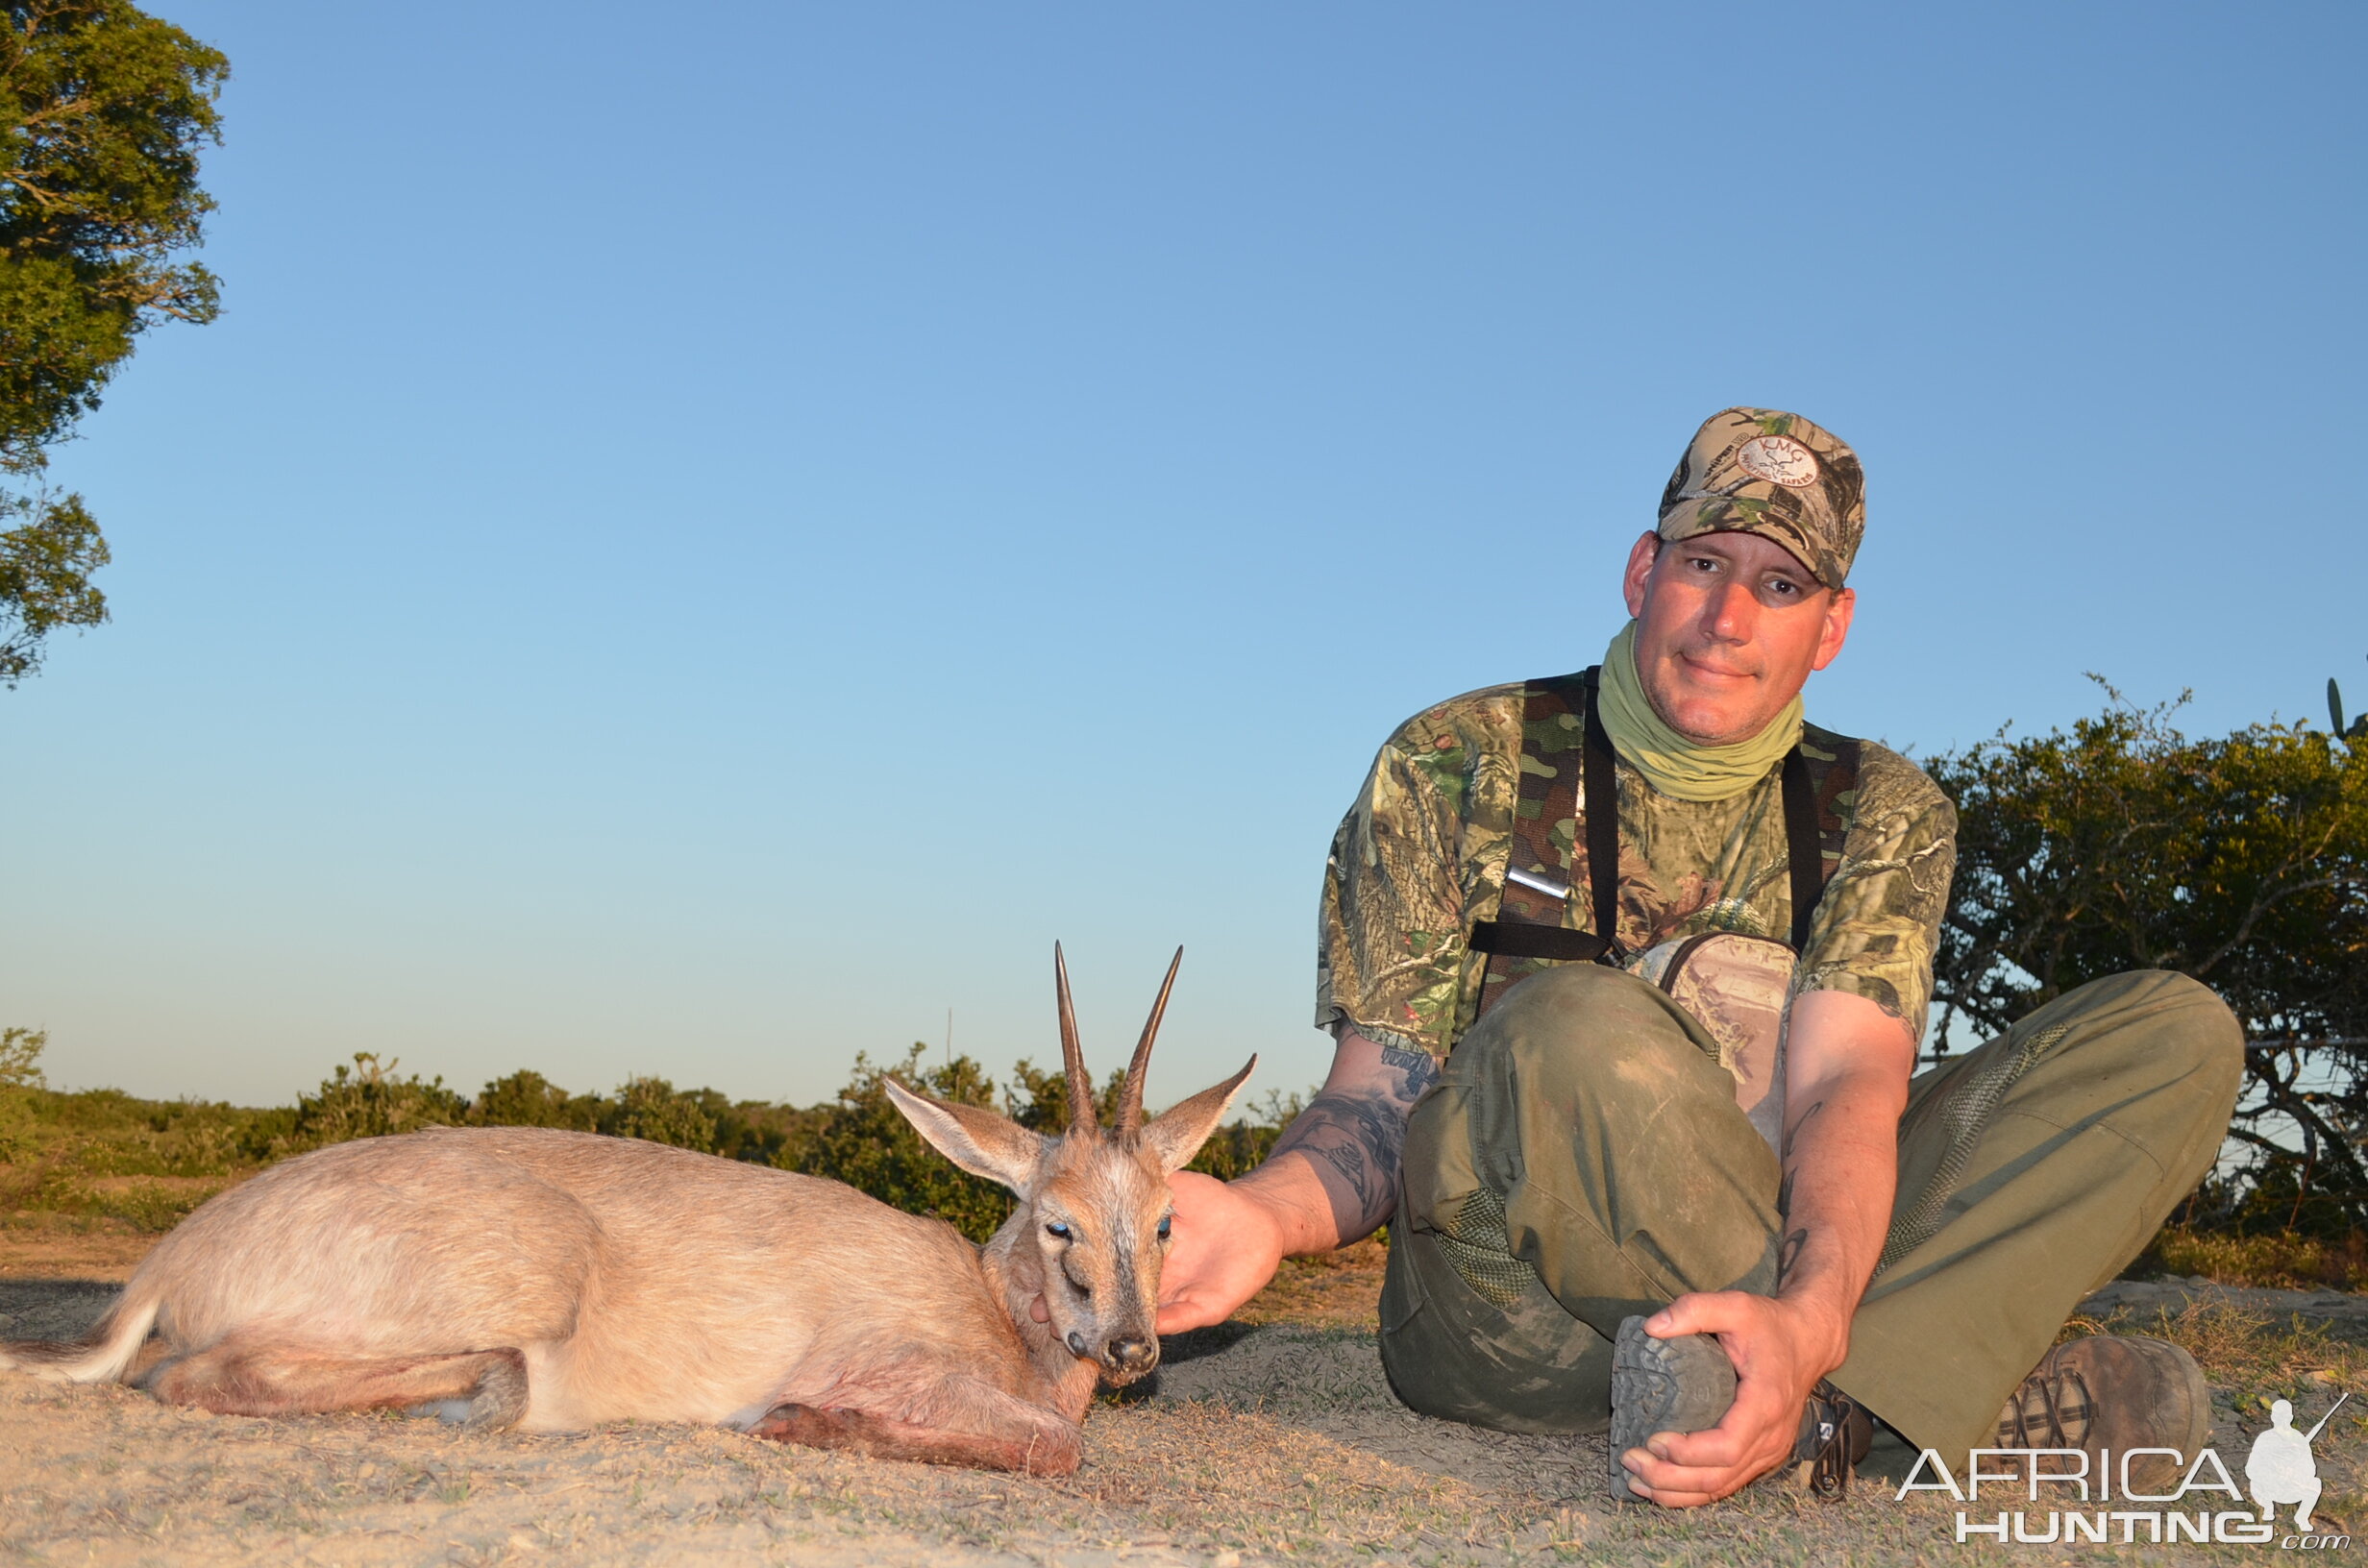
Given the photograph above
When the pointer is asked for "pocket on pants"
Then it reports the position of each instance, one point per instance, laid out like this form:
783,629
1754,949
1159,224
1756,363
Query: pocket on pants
1435,1173
1402,1285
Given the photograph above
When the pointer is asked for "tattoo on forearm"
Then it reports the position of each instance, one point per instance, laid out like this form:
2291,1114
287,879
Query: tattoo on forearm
1361,1139
1415,1069
1793,1132
1789,1250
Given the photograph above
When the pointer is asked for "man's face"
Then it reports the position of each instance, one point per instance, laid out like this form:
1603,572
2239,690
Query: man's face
1729,627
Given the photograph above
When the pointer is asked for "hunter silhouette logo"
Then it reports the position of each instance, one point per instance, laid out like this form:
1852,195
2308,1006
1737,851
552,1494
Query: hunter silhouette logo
2072,1495
2280,1468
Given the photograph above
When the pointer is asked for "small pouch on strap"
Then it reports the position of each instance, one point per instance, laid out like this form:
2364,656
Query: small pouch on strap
1735,986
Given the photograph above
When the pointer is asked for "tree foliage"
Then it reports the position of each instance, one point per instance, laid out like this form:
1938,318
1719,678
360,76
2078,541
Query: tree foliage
859,1139
866,1142
370,1099
20,1072
529,1099
2242,861
103,112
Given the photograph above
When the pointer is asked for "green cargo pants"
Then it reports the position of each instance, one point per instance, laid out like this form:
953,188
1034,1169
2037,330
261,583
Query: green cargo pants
1582,1158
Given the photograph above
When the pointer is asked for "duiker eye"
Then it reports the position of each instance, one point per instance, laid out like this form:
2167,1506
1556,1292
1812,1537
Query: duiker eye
1057,1231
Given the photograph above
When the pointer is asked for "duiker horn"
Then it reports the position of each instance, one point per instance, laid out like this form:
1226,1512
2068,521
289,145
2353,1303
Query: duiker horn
1130,1098
1073,1053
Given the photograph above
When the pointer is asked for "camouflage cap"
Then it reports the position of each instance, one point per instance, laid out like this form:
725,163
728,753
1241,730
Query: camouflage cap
1776,475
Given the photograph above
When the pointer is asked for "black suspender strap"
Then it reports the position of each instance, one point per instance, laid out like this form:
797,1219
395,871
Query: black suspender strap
1602,829
1539,886
1538,870
1513,939
1802,846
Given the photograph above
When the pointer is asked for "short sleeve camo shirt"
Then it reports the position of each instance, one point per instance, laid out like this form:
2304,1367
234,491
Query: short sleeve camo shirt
1422,854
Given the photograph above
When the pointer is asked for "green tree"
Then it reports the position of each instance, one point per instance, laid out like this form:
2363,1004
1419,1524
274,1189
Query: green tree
529,1099
369,1099
654,1108
1039,1100
20,1071
866,1142
1242,1145
2241,861
102,109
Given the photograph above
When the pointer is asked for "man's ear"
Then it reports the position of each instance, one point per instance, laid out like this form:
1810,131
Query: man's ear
1838,613
978,1141
1177,1133
1641,558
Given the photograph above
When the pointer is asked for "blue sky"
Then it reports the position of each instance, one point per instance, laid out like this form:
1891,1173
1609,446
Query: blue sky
700,545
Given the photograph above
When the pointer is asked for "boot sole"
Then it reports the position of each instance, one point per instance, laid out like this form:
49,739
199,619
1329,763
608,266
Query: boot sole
1680,1385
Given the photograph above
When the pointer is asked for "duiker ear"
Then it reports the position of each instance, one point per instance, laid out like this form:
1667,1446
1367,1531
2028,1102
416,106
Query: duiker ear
978,1141
1177,1133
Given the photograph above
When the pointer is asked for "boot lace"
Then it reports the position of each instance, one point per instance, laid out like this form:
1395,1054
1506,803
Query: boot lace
2052,1408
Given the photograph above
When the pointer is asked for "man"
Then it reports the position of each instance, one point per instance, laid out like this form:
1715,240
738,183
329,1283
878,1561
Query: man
1562,1144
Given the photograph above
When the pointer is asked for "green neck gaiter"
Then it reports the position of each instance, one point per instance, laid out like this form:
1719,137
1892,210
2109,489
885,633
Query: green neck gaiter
1669,761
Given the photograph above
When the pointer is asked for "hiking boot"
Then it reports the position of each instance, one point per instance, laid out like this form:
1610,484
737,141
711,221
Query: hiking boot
2116,1391
1836,1432
1679,1385
1685,1383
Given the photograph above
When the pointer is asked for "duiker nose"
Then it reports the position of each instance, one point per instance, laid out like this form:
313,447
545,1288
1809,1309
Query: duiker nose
1133,1355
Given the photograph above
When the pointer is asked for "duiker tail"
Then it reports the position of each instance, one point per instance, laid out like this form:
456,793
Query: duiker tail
101,1355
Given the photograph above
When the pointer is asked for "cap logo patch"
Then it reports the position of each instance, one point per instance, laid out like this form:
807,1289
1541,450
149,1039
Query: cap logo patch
1778,459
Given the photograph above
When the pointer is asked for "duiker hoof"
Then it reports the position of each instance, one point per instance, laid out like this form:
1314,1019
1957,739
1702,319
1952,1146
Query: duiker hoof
500,1398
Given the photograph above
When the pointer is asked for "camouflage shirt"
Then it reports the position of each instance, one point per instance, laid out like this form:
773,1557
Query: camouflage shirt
1422,854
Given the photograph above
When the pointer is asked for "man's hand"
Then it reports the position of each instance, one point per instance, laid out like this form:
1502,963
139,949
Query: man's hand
1331,1180
1847,1072
1228,1245
1780,1350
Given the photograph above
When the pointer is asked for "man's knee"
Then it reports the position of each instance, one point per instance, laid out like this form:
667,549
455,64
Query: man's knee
1580,1032
2185,1032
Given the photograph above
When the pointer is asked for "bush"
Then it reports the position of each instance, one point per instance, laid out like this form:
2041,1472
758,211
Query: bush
2243,862
2280,1260
101,1154
20,1073
367,1100
651,1108
866,1142
1242,1145
529,1099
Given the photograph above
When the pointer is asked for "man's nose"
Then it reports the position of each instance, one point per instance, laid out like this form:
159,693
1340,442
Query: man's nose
1731,612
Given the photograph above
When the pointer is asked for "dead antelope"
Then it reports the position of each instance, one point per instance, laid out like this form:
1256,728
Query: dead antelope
554,1279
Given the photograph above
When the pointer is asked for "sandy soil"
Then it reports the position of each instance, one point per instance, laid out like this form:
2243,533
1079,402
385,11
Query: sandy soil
60,1254
1261,1441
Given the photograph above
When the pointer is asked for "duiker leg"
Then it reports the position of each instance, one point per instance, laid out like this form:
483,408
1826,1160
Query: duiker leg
997,1431
246,1377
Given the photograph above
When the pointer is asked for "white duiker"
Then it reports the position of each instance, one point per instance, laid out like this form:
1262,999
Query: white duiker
554,1279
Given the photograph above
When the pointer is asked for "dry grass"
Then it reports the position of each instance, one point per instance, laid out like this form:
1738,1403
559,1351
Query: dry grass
54,1246
1338,1290
2287,1262
1265,1442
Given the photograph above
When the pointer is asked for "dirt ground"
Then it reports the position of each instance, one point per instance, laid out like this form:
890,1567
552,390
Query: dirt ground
1270,1439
